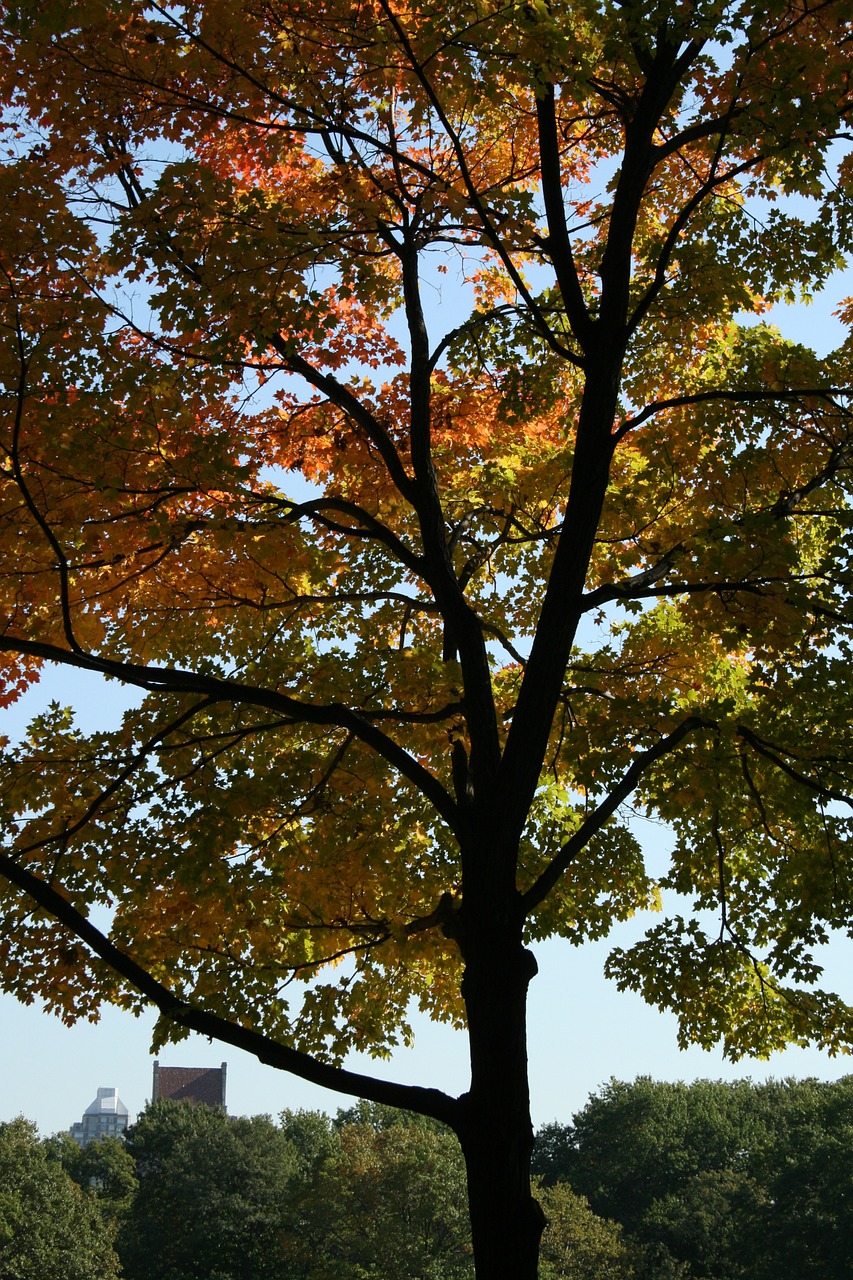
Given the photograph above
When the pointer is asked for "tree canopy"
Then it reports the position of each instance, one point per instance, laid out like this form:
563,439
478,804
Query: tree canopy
212,1201
104,1167
576,1244
49,1228
714,1181
386,399
373,1194
388,1199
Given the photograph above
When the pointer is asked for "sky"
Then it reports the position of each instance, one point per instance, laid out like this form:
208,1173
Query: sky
582,1031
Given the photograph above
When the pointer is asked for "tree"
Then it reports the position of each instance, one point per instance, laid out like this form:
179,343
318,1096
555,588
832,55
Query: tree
374,1193
715,1226
388,1201
49,1229
636,1142
577,1244
105,1168
808,1172
212,1201
417,594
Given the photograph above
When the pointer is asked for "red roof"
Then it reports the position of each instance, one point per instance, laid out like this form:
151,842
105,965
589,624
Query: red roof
190,1084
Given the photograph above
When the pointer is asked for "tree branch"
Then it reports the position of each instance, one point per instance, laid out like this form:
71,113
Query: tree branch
430,1102
560,863
352,407
559,244
739,397
771,753
489,227
221,689
314,509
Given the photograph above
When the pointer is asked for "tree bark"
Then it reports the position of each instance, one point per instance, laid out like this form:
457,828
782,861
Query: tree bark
495,1130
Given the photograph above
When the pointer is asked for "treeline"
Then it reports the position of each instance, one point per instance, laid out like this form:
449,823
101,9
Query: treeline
715,1181
649,1182
196,1195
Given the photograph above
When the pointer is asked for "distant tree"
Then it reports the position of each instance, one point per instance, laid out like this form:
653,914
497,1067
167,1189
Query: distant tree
717,1181
554,1153
577,1244
313,1137
105,1168
808,1172
389,1202
62,1148
371,1195
213,1196
719,1223
380,1117
634,1143
49,1228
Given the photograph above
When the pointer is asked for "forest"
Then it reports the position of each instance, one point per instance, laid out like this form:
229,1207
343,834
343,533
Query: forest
649,1181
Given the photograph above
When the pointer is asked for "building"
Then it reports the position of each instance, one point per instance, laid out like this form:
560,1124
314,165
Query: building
205,1085
106,1117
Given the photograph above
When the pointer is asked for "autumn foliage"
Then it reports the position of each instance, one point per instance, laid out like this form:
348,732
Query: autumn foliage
386,398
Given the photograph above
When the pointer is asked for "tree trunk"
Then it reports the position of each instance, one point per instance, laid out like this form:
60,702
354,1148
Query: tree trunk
496,1133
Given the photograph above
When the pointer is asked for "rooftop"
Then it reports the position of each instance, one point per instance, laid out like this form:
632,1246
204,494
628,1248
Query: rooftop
107,1103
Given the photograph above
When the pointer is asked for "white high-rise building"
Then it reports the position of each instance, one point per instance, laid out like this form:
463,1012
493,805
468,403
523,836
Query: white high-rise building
106,1117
